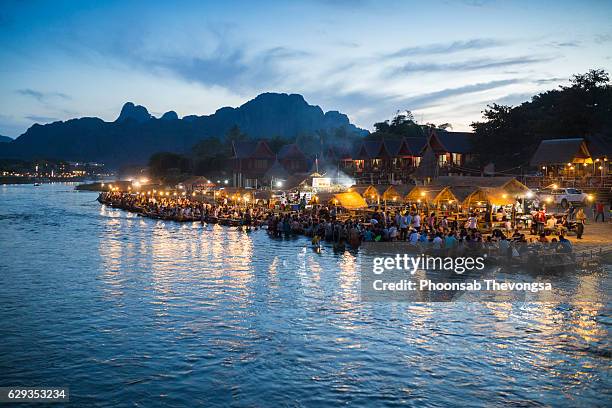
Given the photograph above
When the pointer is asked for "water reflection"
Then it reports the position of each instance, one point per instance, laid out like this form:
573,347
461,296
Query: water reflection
151,307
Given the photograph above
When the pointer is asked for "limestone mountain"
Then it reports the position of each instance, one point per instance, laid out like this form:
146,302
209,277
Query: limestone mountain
136,134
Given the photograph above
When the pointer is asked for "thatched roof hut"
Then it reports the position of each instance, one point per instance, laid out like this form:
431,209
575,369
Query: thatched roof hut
430,194
561,151
462,184
490,195
350,200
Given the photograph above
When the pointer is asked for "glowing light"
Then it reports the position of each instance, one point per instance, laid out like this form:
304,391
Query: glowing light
554,186
422,194
504,195
144,180
136,183
549,200
590,197
529,194
600,167
279,183
543,167
225,181
102,185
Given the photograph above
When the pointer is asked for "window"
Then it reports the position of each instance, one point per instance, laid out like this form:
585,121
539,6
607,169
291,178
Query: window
456,158
442,160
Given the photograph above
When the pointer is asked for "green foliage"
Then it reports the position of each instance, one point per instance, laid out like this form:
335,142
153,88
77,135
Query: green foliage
165,164
402,125
583,108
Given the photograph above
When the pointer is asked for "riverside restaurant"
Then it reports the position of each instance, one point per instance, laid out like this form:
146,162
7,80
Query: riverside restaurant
483,203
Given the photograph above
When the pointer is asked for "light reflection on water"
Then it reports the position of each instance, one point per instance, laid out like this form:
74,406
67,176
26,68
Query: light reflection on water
123,308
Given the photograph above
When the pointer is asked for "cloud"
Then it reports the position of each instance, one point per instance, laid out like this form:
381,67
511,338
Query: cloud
603,38
427,99
41,119
41,96
545,81
446,48
514,99
562,44
469,65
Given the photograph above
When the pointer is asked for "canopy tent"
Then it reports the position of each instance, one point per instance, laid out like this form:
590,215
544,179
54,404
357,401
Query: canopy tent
350,200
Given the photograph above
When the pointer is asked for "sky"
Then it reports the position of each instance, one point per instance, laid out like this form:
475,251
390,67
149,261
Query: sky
442,60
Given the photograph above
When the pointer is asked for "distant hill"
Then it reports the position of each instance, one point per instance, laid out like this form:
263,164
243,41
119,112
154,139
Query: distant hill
136,134
5,139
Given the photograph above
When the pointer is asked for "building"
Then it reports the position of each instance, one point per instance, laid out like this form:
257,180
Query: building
250,162
451,149
292,158
574,158
386,161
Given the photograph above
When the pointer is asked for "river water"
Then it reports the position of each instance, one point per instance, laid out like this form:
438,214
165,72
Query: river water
129,311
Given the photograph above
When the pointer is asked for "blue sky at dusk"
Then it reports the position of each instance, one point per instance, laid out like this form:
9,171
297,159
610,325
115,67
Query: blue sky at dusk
444,60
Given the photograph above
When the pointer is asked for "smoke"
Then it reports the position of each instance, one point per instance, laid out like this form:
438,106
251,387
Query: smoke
337,176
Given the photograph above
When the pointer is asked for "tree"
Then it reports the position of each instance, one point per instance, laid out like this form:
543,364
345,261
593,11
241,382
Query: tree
164,164
581,109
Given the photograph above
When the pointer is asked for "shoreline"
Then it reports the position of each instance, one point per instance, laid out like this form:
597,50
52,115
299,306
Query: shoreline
595,241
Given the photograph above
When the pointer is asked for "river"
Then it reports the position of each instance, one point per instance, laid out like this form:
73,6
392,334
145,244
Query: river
129,311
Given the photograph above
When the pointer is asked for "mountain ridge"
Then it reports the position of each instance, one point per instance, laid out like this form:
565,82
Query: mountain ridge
136,134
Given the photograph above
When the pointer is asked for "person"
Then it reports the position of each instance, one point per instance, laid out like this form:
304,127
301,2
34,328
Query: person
450,241
414,237
600,211
444,223
571,211
580,219
403,223
565,244
543,238
416,221
472,222
437,241
540,219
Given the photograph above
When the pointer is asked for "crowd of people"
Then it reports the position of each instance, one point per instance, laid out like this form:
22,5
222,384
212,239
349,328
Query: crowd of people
328,223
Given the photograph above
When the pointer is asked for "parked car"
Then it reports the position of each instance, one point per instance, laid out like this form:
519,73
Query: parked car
563,196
